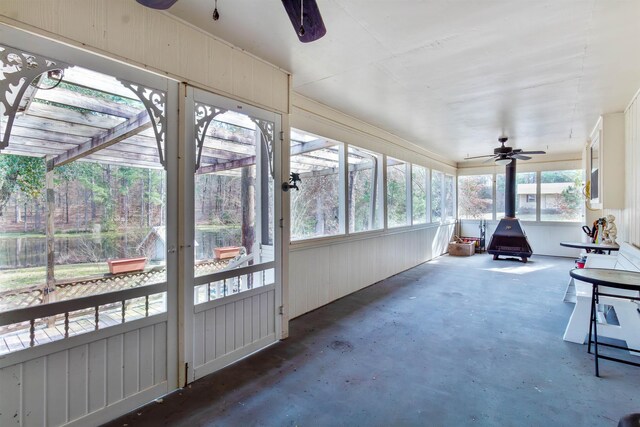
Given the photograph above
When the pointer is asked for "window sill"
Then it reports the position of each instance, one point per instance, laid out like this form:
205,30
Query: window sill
354,237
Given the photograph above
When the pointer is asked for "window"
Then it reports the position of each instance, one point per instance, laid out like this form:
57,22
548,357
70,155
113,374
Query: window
419,193
396,193
475,197
437,180
526,194
500,208
365,190
449,197
315,208
233,200
83,187
561,196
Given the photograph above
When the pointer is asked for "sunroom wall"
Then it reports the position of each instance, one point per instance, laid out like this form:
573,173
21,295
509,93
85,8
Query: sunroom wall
125,31
325,269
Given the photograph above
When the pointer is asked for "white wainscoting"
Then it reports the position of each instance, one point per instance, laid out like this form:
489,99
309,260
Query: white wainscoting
230,328
87,379
323,272
544,237
629,220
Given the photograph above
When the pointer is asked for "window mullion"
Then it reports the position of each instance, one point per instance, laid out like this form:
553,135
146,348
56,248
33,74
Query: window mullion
343,170
409,192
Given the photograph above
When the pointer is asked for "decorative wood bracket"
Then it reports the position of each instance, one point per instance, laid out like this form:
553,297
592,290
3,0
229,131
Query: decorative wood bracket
155,102
204,114
267,137
17,70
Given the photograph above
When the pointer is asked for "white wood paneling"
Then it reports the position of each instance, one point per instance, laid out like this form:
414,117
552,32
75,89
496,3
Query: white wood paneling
77,381
57,390
629,227
32,391
86,382
233,329
356,262
97,397
220,70
125,30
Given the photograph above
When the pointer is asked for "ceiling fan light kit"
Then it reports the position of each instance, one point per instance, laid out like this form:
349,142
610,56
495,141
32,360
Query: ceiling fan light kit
503,162
157,4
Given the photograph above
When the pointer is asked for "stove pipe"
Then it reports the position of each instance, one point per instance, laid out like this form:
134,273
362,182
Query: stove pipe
510,190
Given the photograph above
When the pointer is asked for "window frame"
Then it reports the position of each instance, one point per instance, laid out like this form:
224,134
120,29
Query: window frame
538,175
341,191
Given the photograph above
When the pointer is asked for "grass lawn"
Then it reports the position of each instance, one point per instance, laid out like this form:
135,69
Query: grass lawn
23,277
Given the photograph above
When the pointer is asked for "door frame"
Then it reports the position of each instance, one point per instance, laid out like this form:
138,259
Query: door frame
188,95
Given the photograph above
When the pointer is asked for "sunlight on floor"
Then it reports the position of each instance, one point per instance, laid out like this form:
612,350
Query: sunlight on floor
519,269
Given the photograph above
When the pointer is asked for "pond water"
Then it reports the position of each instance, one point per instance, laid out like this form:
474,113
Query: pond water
21,252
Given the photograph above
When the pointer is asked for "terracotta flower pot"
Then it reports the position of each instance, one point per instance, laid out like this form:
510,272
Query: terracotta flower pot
226,252
126,265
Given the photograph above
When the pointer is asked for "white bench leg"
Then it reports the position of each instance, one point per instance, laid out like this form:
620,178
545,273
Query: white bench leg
629,320
578,326
570,293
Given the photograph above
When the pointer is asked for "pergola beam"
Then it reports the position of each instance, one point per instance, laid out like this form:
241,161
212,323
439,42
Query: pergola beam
225,166
105,139
306,147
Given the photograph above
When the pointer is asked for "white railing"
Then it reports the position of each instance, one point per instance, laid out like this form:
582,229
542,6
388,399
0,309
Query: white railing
230,282
100,311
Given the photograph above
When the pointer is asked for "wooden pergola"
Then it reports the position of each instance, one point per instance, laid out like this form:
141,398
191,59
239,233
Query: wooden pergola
67,113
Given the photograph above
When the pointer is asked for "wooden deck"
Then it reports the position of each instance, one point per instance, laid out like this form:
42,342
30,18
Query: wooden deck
82,323
16,337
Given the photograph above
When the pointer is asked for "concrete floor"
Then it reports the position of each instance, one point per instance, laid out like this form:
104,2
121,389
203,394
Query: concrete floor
455,341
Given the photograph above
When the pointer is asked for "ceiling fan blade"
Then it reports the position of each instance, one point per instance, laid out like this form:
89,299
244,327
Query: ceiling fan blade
519,156
313,26
491,159
479,157
532,152
157,4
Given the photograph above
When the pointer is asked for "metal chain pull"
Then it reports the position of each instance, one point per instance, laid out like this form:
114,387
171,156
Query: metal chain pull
301,31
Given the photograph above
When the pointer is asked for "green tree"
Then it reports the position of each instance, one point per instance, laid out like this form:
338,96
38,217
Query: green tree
22,173
475,198
571,199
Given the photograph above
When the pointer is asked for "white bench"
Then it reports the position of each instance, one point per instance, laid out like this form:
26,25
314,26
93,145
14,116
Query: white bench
628,330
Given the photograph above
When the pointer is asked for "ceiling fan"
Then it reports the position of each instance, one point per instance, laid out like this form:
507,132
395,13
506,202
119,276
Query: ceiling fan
503,155
304,15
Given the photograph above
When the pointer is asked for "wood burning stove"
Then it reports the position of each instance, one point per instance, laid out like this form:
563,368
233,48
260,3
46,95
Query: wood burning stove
509,239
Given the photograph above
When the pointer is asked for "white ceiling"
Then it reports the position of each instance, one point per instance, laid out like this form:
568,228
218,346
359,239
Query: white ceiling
452,75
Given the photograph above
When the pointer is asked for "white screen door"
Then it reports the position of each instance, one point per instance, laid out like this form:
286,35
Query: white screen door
232,242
